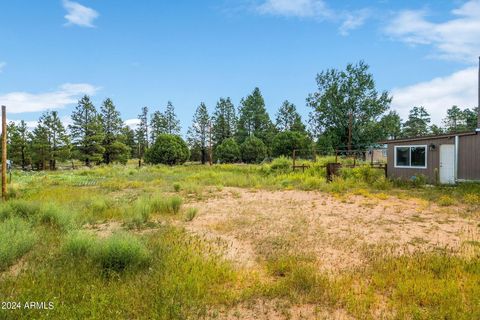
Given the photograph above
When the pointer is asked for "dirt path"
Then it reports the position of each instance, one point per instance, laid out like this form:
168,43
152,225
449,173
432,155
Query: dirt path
340,232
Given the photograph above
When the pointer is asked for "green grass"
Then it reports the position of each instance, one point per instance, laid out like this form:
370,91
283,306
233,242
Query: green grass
16,239
155,270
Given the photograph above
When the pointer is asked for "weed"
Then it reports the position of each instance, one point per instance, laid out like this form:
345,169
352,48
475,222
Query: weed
16,239
79,244
191,214
446,201
176,187
53,216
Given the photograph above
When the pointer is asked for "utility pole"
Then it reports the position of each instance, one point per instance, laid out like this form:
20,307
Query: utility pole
4,153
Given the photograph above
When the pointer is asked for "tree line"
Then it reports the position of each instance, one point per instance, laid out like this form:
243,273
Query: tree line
346,112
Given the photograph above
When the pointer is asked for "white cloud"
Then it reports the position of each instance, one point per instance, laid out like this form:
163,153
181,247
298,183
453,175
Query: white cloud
315,9
2,65
297,8
22,102
132,123
354,21
79,15
439,94
455,39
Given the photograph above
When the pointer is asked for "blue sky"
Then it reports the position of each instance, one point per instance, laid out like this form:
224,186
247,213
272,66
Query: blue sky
145,53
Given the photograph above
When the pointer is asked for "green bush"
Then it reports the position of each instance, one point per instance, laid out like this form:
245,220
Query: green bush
54,217
168,149
227,152
285,142
281,164
16,239
20,208
253,150
79,244
120,252
191,214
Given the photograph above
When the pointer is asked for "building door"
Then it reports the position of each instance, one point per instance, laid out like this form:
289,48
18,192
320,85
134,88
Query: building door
447,164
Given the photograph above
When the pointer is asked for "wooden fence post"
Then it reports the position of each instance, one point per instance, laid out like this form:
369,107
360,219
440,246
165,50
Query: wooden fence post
4,153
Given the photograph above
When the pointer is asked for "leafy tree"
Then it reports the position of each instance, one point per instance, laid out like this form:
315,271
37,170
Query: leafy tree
141,133
115,148
434,129
417,123
18,143
87,132
347,107
59,142
288,119
285,142
253,150
228,151
224,121
198,133
167,149
254,120
391,125
172,124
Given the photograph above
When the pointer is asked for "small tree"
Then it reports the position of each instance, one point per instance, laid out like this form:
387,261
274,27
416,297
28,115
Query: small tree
228,151
141,134
167,149
285,142
253,150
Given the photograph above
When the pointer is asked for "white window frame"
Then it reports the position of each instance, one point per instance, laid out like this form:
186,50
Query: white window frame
411,146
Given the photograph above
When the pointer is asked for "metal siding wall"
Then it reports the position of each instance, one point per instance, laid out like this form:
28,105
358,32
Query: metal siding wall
433,159
469,157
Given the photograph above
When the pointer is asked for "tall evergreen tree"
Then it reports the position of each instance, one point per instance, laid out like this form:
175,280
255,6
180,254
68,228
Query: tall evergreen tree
18,143
141,134
254,120
115,148
198,133
471,116
455,120
391,125
288,119
224,121
87,132
158,125
417,123
172,124
40,146
59,142
128,138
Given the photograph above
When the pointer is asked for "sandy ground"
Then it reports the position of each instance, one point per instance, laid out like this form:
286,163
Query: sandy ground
340,232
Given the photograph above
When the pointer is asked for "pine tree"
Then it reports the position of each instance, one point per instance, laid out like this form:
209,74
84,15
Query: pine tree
128,138
158,125
224,121
254,120
115,148
417,123
87,132
141,134
172,124
40,146
288,119
18,143
455,120
59,142
198,133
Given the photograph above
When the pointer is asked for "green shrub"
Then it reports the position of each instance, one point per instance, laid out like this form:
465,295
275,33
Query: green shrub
191,214
20,208
16,239
120,252
54,217
168,149
227,152
419,180
285,142
176,187
79,244
253,150
281,164
175,204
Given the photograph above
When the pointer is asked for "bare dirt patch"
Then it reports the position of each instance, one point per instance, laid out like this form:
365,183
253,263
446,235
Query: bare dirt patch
340,232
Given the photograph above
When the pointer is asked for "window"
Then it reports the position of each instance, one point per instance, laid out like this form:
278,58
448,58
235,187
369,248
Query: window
411,157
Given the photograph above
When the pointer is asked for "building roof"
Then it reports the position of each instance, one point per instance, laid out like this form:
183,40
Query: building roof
431,137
